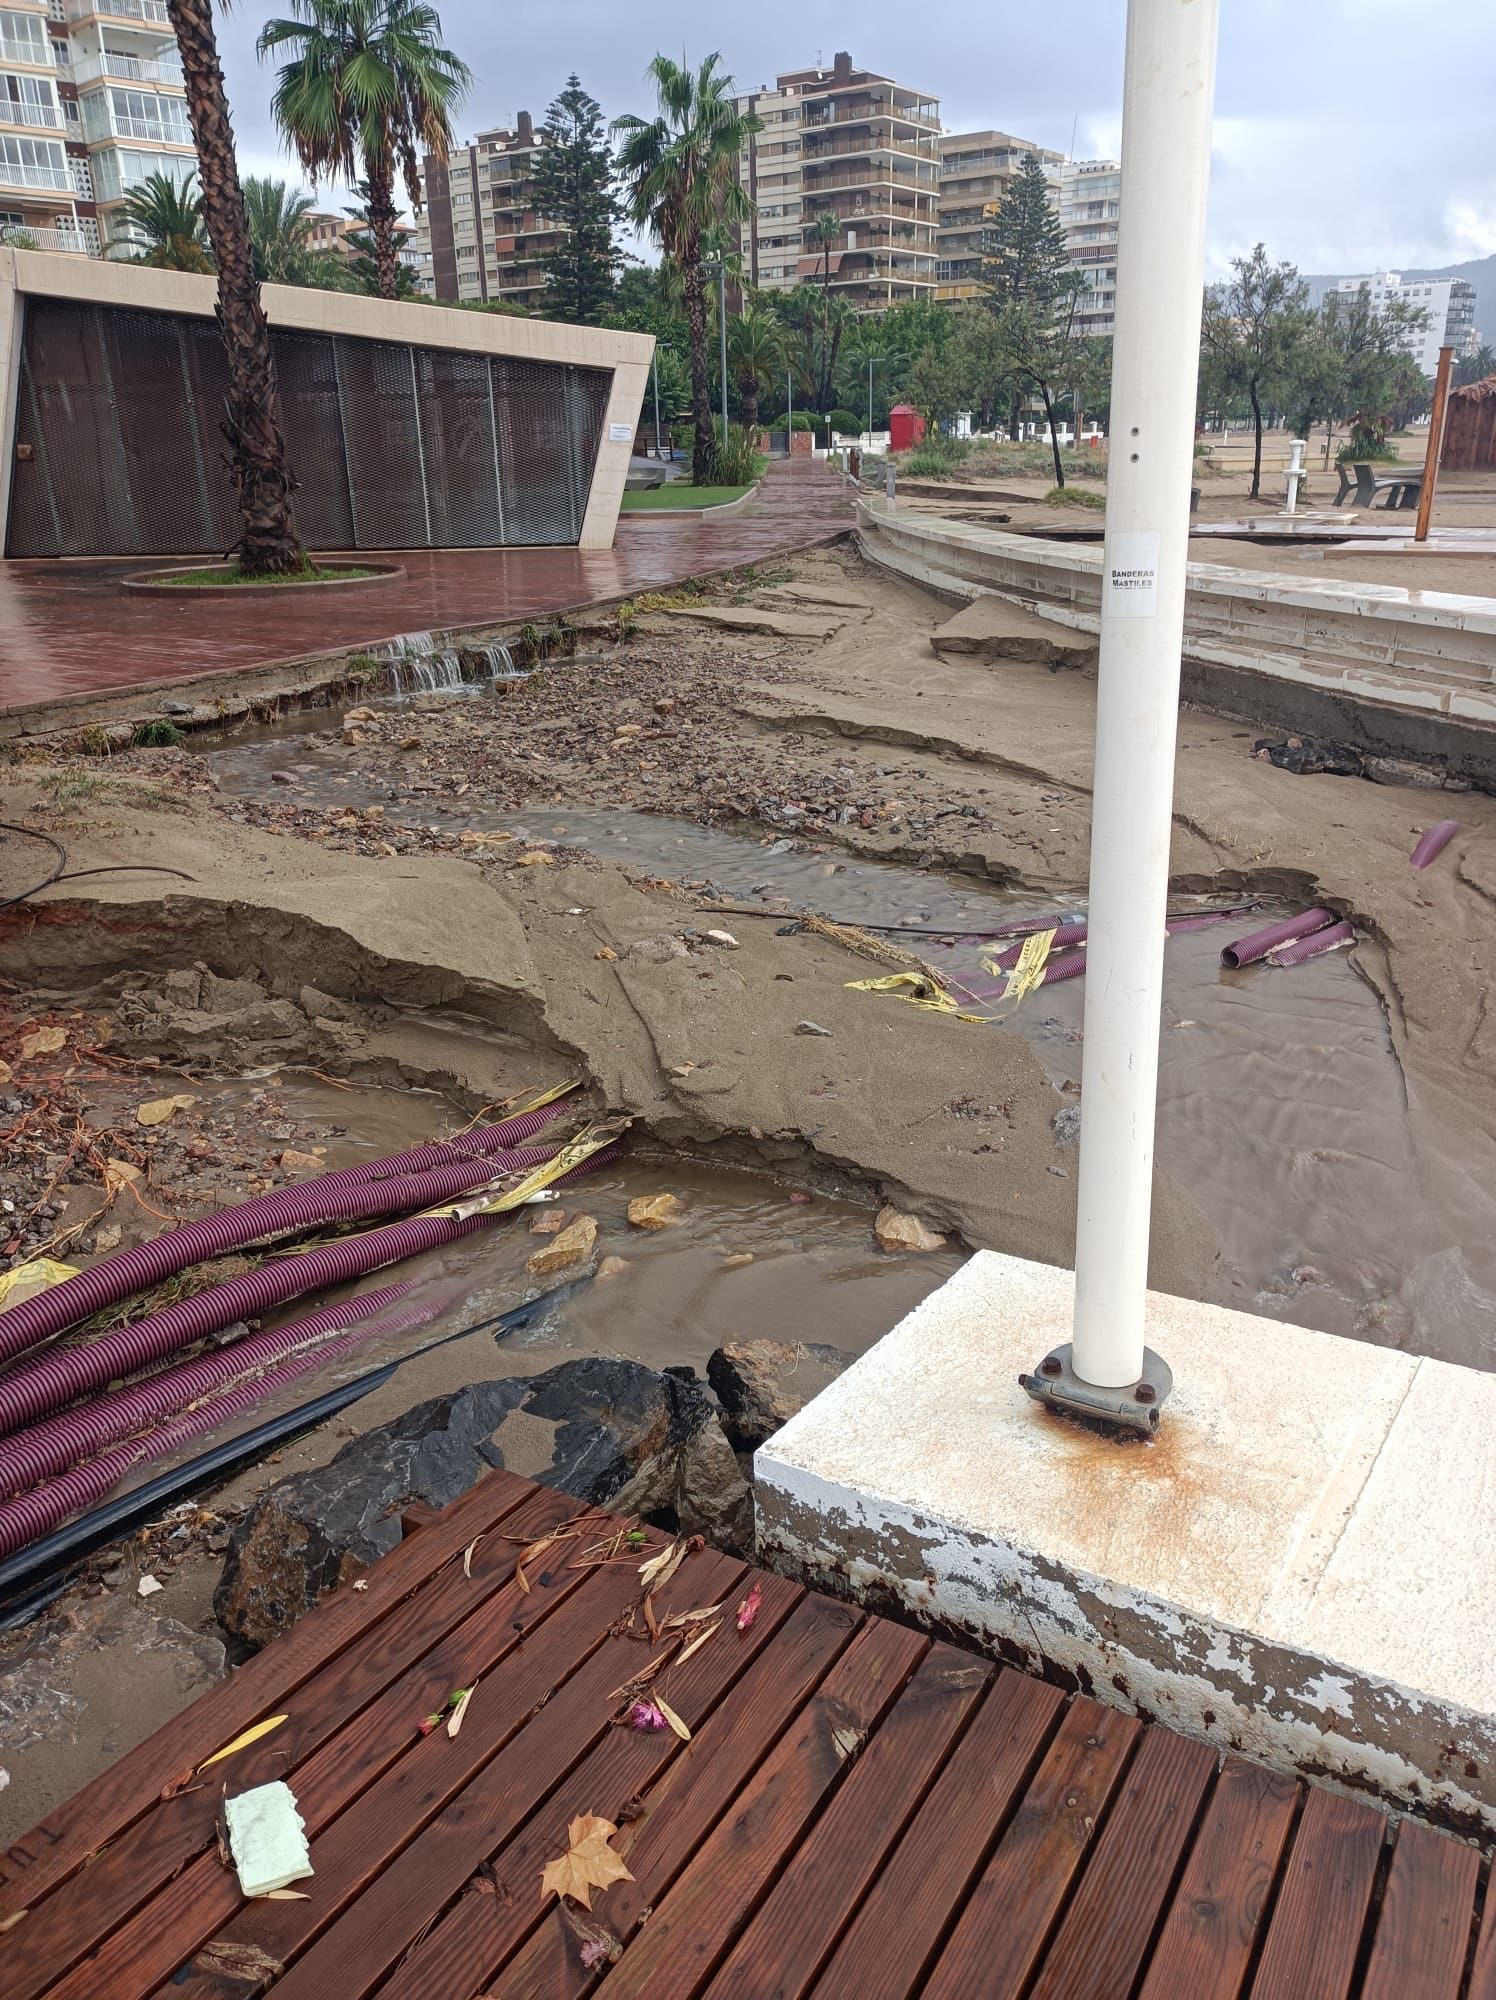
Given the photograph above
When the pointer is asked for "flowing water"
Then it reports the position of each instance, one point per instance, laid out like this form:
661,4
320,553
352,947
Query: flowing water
1282,1106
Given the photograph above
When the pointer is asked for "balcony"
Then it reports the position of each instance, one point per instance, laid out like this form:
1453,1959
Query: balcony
38,53
127,69
17,171
20,111
151,11
21,236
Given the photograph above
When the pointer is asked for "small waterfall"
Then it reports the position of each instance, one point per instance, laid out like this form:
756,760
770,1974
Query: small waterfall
419,666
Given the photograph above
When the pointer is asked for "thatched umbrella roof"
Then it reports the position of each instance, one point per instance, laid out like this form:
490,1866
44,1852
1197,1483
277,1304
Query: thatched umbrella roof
1477,392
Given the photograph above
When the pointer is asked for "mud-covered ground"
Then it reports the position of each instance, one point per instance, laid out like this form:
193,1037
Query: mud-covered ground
470,895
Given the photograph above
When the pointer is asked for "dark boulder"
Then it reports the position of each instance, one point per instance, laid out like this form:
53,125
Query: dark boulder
762,1383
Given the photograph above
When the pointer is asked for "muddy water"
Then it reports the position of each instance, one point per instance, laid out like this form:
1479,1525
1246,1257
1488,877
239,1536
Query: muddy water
1282,1105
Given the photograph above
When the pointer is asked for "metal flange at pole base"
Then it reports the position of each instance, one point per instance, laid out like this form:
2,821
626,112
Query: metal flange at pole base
1135,1406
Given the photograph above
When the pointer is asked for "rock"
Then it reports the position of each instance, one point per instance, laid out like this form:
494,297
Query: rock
897,1232
548,1222
1066,1124
656,950
762,1383
301,1163
319,1006
284,778
655,1211
810,1028
612,1267
737,1260
536,858
610,1432
574,1245
724,940
176,707
605,951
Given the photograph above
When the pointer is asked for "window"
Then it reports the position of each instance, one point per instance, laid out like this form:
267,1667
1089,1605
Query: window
28,100
33,163
23,38
137,114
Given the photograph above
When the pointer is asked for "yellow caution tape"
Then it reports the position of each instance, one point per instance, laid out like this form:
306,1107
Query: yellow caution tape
1029,971
925,994
26,1280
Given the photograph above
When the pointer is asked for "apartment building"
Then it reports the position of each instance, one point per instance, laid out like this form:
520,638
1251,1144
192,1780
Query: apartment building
91,104
1447,303
1090,203
479,236
975,169
861,147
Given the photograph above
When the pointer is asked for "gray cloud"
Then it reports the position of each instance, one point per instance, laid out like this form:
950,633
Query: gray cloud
1349,133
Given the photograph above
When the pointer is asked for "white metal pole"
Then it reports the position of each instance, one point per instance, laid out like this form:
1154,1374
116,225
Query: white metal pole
1166,129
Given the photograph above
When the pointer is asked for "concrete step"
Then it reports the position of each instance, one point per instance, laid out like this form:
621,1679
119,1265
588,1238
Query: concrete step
994,628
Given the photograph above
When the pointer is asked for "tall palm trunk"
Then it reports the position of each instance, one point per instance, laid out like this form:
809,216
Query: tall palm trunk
748,392
252,425
704,448
382,225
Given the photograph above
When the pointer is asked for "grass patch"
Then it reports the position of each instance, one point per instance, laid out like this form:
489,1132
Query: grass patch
661,499
1075,496
190,579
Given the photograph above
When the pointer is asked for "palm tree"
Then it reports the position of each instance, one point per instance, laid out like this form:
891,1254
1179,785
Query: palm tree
280,235
821,234
362,263
755,353
1474,367
268,546
369,82
163,226
680,170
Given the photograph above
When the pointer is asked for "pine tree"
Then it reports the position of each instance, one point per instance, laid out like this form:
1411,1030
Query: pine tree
573,185
1031,291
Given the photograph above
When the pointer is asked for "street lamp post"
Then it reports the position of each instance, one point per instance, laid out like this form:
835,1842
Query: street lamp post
721,270
872,362
1106,1370
654,366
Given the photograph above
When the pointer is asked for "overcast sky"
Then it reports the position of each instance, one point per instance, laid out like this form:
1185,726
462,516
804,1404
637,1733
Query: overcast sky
1350,135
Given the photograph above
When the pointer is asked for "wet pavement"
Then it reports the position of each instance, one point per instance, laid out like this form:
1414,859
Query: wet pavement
67,631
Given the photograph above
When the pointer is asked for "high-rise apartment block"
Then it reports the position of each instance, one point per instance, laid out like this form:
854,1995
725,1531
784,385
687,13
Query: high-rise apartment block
1090,203
861,148
975,169
479,236
1448,305
91,104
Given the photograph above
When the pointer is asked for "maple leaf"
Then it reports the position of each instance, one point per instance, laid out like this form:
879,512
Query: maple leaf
588,1863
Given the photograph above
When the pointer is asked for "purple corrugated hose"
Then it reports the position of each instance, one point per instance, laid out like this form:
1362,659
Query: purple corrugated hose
1247,950
384,1190
46,1449
48,1382
1299,950
30,1515
1434,842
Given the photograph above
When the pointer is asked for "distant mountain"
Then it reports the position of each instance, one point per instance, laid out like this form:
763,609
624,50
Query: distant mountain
1481,272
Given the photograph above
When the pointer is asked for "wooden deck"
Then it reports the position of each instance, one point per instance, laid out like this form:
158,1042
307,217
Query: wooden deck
860,1814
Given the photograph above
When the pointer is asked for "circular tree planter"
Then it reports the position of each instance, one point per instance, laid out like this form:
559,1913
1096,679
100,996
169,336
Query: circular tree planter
162,583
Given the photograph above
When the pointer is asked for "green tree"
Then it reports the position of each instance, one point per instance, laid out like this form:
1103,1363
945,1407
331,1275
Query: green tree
1032,293
755,354
573,184
162,225
872,364
368,82
1473,367
252,419
1090,379
1253,337
681,172
1348,361
280,235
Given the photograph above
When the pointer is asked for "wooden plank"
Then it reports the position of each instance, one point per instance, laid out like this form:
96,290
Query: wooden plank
1423,1928
1315,1929
793,1933
687,1802
152,1851
501,1903
1205,1947
189,1908
996,1944
696,1919
100,1813
1105,1933
358,1851
904,1917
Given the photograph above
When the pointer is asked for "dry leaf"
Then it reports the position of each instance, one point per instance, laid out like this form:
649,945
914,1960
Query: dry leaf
5,1072
159,1109
361,1583
117,1172
43,1042
672,1718
243,1741
651,1567
467,1555
589,1863
9,1923
285,1896
454,1721
698,1642
748,1609
528,1554
691,1617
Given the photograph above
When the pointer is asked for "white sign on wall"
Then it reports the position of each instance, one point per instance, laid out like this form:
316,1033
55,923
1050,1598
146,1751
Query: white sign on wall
620,433
1131,585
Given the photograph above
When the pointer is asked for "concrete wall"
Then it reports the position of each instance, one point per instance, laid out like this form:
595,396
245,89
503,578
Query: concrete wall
30,273
1424,655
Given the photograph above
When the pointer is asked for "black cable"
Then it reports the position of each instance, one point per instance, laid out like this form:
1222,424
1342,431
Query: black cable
937,930
29,1581
66,874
